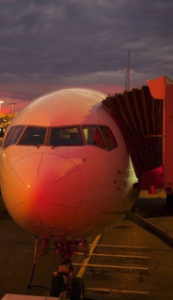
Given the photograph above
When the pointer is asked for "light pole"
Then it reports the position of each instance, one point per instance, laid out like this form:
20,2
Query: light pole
12,106
1,101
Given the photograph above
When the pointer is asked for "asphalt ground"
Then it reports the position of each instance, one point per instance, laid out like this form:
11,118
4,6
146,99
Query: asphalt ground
153,207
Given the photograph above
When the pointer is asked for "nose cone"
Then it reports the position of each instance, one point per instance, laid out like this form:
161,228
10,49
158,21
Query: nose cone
45,192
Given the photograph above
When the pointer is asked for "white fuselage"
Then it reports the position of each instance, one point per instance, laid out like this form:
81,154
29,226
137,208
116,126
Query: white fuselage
69,191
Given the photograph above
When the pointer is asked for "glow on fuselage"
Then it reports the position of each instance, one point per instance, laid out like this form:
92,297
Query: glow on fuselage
72,191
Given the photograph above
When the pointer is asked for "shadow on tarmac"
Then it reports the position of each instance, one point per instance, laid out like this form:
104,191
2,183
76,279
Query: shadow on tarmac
152,208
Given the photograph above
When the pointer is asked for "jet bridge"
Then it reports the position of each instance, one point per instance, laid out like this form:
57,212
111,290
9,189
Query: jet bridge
145,117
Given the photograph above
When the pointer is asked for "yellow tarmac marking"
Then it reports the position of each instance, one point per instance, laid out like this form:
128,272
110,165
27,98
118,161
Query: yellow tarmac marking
83,268
120,268
116,291
118,256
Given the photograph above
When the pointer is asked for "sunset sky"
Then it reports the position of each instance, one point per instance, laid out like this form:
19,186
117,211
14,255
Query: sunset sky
49,44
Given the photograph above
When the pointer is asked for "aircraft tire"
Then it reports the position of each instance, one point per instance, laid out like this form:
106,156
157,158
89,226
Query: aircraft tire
57,286
76,289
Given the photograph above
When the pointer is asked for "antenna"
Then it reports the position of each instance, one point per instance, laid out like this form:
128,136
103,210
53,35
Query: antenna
12,106
127,79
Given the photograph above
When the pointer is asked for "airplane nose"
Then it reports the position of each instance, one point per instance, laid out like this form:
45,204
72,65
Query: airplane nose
50,190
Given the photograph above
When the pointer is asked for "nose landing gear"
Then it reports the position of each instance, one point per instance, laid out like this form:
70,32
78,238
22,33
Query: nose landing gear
64,284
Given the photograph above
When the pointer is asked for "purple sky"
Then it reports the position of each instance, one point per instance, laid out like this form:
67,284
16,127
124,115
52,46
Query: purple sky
46,44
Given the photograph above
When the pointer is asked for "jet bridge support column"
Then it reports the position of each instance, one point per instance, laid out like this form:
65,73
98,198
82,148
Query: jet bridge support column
162,88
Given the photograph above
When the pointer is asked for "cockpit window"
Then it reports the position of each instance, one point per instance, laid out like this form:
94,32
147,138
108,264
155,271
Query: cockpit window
93,136
65,136
108,137
33,136
96,135
12,136
100,136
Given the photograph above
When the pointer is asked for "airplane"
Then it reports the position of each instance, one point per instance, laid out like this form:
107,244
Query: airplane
66,174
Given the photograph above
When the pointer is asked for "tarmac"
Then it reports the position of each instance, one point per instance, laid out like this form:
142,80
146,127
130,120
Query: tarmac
153,207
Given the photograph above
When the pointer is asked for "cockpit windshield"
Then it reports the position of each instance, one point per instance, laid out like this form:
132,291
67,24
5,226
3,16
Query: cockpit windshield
92,135
65,136
33,136
12,136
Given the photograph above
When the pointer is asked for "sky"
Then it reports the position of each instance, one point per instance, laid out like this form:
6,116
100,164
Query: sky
46,45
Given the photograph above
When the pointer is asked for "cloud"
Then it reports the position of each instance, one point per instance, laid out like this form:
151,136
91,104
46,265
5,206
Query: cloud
84,42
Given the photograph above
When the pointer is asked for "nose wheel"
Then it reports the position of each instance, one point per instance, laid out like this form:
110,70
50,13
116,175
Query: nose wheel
71,290
76,289
57,286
